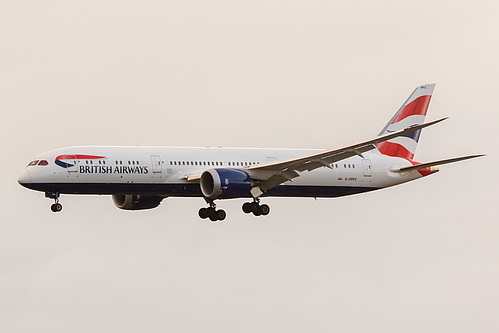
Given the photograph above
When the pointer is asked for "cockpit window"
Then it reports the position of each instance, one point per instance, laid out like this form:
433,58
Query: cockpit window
35,162
43,162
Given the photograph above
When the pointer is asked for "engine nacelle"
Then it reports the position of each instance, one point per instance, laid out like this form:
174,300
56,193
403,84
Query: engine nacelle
225,184
136,201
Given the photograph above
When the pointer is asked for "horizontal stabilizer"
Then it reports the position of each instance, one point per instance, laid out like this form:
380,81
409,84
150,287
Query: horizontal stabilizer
434,163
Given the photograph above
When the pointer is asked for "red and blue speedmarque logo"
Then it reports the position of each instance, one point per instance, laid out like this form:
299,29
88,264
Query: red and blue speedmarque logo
68,161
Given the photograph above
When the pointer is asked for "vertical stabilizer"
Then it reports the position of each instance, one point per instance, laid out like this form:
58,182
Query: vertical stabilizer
412,112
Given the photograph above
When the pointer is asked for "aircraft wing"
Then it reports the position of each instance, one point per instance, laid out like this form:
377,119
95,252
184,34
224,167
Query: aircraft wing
271,174
434,163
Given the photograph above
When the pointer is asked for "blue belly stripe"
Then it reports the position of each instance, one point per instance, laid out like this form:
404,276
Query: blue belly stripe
191,190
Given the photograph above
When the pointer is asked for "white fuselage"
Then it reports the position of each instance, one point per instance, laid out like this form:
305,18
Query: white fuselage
164,171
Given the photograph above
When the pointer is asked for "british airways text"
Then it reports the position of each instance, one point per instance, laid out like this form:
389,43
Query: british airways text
117,169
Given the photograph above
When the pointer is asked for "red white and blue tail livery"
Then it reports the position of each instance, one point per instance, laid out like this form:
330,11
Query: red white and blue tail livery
141,177
412,112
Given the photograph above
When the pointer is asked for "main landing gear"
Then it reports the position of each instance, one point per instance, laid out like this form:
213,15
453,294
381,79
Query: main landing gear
255,208
212,213
56,207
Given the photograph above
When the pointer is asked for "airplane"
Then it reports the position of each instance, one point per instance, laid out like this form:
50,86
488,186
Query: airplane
140,178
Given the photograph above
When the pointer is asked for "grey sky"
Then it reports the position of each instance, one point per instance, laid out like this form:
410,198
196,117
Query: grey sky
314,74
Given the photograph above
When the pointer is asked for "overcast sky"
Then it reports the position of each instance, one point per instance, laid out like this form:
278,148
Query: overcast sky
420,257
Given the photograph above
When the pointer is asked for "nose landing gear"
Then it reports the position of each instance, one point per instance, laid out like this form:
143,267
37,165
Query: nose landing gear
56,207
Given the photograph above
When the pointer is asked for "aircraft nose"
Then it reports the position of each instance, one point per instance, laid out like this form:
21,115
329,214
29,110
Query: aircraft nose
24,178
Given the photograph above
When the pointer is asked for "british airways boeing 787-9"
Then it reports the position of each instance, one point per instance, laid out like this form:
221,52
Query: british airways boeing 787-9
141,177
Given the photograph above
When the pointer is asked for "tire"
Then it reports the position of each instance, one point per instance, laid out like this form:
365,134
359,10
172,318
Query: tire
56,207
221,215
212,214
265,209
203,213
258,211
255,207
247,207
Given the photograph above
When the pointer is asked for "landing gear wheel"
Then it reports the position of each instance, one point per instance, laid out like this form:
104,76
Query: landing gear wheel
203,213
257,211
265,209
220,214
247,207
210,212
255,207
217,215
57,207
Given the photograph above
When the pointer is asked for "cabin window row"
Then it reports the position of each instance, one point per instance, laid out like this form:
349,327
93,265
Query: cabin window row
129,162
102,162
335,165
211,163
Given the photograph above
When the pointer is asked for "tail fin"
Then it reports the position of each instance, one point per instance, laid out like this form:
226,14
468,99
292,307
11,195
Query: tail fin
412,112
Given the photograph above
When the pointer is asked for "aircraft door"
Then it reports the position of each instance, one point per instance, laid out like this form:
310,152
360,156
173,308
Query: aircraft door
367,168
156,164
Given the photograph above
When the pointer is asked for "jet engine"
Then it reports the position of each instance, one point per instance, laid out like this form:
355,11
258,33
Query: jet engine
225,184
136,201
